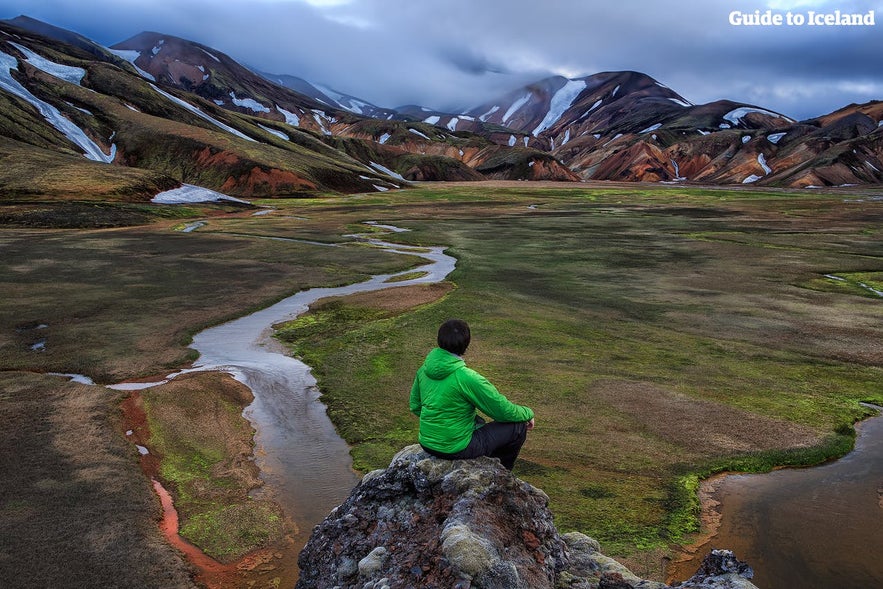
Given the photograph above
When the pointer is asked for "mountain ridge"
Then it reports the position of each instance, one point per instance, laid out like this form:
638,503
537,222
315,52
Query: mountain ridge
623,126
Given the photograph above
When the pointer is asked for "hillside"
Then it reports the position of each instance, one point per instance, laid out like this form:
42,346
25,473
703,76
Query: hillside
182,112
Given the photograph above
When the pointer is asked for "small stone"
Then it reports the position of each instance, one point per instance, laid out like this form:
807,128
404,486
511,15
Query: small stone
373,562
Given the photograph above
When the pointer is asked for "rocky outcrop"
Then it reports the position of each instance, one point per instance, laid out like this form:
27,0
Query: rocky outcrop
426,522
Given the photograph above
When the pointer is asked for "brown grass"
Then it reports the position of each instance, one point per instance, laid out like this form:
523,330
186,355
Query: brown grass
75,511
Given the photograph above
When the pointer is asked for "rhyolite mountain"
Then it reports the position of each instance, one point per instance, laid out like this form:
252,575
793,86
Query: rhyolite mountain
174,111
627,126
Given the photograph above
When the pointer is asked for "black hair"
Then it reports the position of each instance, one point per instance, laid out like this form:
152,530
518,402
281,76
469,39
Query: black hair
454,336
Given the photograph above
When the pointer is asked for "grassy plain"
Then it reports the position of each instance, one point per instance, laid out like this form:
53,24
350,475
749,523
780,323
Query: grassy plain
660,333
122,303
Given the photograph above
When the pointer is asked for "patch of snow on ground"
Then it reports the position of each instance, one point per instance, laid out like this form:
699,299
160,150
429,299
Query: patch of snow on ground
275,132
158,47
566,137
775,137
526,139
249,103
131,55
201,114
320,118
452,124
416,132
750,179
380,188
290,118
210,55
515,107
130,107
68,73
512,140
560,103
678,177
52,115
485,116
432,120
735,115
384,138
188,193
870,165
746,138
531,163
78,378
703,132
386,171
762,161
683,103
615,90
724,126
650,128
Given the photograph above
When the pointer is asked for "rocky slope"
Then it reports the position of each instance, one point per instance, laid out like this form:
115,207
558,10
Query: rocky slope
426,522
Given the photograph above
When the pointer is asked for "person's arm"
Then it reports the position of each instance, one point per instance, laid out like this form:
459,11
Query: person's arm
414,403
490,401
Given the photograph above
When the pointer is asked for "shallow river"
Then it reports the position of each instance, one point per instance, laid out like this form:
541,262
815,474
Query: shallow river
812,528
304,463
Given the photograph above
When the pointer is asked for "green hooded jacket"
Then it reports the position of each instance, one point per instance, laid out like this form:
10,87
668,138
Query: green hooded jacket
445,395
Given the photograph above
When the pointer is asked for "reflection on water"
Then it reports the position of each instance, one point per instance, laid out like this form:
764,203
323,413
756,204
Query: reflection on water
813,528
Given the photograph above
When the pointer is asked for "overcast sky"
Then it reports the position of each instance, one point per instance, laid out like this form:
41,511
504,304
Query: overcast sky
450,54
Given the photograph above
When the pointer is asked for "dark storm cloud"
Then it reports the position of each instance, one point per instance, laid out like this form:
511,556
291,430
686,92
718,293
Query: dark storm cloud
447,53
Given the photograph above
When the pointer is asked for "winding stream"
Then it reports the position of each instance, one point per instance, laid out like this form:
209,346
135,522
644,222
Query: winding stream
305,465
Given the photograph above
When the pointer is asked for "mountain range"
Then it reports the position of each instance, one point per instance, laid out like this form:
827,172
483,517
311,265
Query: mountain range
166,111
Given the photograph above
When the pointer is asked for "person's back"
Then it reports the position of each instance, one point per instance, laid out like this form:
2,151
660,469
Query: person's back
445,396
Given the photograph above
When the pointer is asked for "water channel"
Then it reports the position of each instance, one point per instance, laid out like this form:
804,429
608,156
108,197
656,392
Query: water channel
305,465
809,528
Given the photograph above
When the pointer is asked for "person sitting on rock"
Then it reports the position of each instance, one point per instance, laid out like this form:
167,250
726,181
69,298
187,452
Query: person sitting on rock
445,396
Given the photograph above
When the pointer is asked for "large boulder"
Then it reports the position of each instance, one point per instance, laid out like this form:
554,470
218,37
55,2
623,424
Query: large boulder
427,522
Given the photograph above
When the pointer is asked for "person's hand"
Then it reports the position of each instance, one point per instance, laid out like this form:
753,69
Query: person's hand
530,424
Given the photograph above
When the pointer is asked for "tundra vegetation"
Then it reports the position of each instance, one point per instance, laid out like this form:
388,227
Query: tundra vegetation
661,334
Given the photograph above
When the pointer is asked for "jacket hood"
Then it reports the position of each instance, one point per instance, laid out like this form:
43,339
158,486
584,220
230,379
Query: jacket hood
439,364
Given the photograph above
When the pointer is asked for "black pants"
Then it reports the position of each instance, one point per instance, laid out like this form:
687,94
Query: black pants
494,439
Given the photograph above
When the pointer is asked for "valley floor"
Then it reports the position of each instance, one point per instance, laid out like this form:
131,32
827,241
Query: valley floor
660,333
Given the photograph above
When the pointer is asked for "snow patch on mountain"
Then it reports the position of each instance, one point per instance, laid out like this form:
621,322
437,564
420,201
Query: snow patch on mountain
131,55
515,107
275,132
386,170
290,118
560,102
249,103
735,116
416,132
188,193
52,115
483,118
68,73
202,115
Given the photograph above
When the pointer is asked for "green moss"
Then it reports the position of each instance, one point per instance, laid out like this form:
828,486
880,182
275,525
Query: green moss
230,531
